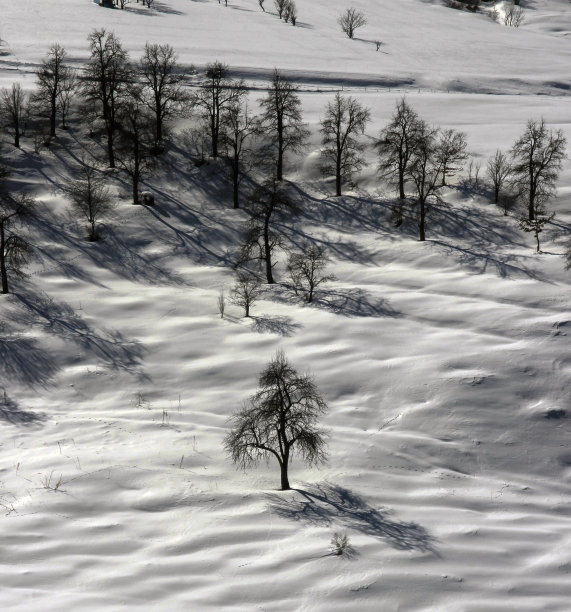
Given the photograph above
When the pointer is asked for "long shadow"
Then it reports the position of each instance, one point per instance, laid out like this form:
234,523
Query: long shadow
283,326
326,504
23,361
110,346
350,302
354,302
10,412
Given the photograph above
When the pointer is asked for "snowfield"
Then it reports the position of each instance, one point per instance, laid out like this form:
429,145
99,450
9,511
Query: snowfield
446,364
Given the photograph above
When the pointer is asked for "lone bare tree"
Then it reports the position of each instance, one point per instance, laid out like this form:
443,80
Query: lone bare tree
237,130
280,419
246,291
54,78
162,90
217,93
90,197
15,251
351,20
306,270
498,170
281,115
345,120
537,159
396,144
107,76
14,109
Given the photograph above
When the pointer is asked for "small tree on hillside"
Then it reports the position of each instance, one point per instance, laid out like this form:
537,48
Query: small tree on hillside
280,419
15,251
237,130
261,239
108,77
163,91
351,20
54,78
536,225
396,144
246,291
451,153
90,197
498,170
135,141
14,109
424,171
537,159
306,270
281,115
345,119
217,93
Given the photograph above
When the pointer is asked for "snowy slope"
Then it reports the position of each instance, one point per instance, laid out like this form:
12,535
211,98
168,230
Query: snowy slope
442,362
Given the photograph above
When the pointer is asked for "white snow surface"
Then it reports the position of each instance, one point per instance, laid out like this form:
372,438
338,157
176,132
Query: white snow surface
440,361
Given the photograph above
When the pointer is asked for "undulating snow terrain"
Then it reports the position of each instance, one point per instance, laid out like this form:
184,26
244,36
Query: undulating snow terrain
441,362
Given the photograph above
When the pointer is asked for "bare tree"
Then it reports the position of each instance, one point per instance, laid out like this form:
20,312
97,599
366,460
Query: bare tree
351,20
290,12
123,3
513,15
498,170
148,3
536,225
261,238
281,115
280,7
217,93
451,152
163,90
107,78
135,142
53,78
537,159
261,3
424,170
66,94
15,251
396,144
14,109
89,196
280,419
306,270
238,128
246,291
345,119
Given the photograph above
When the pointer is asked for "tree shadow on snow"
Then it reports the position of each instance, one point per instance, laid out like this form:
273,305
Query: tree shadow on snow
58,318
23,361
283,326
12,413
328,504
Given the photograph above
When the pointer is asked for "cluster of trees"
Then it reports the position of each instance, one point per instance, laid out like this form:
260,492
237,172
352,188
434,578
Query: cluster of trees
130,106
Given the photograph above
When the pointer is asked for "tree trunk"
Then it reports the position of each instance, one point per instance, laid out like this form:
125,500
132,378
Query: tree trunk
537,238
235,182
267,252
284,476
338,174
421,222
401,186
279,170
3,270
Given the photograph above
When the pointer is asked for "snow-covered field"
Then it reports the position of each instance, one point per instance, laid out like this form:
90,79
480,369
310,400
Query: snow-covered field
440,361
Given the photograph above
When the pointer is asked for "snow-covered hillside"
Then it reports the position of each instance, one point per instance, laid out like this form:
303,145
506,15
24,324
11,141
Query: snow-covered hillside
446,364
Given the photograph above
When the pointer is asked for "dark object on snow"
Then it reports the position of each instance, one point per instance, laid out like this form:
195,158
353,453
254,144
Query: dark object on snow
555,413
146,198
